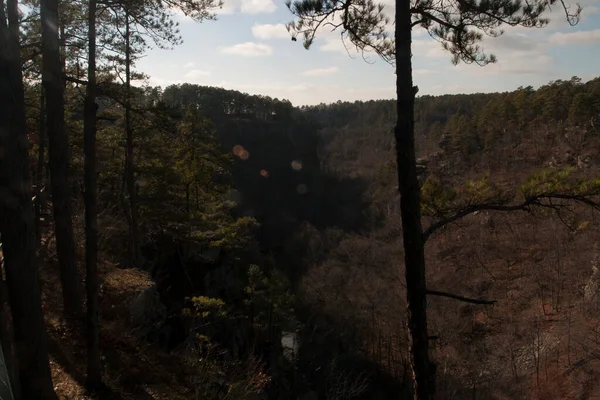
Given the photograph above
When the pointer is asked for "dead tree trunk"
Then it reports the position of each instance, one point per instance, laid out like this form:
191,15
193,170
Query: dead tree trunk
58,146
16,218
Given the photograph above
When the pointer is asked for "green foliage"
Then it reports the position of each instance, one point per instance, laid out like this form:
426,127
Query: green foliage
435,197
269,297
205,307
480,191
232,234
182,177
463,135
560,181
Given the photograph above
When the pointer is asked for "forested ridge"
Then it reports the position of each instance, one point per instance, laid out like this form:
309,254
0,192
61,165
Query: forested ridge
193,242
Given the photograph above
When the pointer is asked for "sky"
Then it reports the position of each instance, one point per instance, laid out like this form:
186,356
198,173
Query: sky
247,48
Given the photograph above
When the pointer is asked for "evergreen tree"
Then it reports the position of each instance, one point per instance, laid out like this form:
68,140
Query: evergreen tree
94,377
53,83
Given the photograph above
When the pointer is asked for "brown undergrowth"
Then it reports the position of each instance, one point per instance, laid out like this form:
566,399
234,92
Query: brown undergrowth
132,368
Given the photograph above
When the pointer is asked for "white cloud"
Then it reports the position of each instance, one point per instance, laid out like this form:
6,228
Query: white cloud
270,31
388,92
228,7
301,87
189,65
513,41
428,48
519,53
320,71
179,15
335,44
153,81
532,64
258,6
422,72
247,7
589,11
579,37
196,73
248,49
419,31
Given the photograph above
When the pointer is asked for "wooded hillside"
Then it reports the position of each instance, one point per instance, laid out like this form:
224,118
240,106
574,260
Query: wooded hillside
313,209
192,242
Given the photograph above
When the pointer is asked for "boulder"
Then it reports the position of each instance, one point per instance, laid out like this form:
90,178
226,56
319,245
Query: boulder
147,312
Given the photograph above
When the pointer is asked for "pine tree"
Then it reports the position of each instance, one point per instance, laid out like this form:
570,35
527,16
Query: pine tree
94,377
145,21
58,146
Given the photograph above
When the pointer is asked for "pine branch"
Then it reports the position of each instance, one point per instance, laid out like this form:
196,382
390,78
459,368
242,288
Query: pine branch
526,205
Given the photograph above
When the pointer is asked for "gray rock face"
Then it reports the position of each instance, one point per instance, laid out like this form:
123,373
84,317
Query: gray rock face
147,313
290,345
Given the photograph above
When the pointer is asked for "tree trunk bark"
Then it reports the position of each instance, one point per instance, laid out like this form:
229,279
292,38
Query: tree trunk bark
410,209
94,376
134,239
39,178
7,340
16,219
58,146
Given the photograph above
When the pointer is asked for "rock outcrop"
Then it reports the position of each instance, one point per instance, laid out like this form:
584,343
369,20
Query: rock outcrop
147,313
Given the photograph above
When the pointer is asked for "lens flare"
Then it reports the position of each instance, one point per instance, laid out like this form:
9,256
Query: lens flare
238,150
302,188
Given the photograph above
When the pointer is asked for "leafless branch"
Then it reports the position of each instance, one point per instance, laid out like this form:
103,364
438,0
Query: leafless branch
460,298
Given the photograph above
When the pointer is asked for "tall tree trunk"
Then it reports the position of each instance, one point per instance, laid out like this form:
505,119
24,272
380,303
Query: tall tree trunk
94,377
58,146
39,176
7,340
134,239
16,219
410,208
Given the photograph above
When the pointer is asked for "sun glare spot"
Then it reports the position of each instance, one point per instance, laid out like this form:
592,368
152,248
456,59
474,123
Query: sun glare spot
241,152
238,150
296,165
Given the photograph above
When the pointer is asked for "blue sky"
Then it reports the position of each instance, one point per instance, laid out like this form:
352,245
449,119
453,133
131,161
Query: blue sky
248,49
